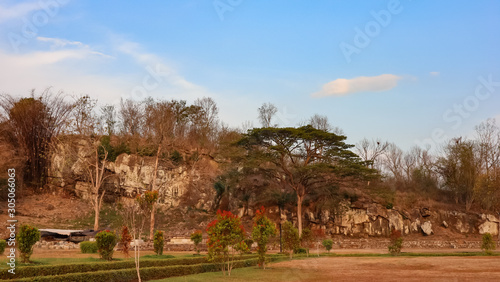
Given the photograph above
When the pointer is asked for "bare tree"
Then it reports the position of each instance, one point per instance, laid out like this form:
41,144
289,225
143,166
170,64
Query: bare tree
31,126
371,151
410,162
488,135
393,160
135,217
266,113
460,168
96,173
320,122
131,114
83,116
108,116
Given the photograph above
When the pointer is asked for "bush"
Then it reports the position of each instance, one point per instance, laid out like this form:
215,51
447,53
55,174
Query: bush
176,157
26,238
488,244
328,244
225,239
249,242
197,237
87,247
106,241
158,242
300,251
306,239
3,244
263,230
125,240
396,242
291,239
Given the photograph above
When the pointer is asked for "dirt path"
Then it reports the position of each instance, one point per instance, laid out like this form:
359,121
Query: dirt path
391,269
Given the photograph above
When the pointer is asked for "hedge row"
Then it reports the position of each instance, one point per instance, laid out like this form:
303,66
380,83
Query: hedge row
60,269
42,270
148,273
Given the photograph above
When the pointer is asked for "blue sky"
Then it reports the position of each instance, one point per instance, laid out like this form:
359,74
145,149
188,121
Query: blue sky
410,72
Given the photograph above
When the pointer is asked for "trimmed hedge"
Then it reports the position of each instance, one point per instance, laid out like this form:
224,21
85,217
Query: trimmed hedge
87,247
148,273
3,244
62,269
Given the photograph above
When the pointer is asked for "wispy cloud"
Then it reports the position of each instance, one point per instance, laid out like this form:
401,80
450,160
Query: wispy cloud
58,43
343,87
146,59
18,11
53,64
434,73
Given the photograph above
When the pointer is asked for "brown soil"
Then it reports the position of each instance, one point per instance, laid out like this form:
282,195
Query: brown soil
391,269
46,211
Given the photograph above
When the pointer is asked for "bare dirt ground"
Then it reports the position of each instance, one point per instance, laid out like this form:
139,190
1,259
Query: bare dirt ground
45,211
391,269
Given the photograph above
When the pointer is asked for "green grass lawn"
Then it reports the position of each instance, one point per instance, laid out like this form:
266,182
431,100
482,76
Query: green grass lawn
57,261
243,274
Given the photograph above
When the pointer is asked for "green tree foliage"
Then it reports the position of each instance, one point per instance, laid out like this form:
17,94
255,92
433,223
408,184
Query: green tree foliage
158,242
328,244
26,238
396,243
488,244
106,242
226,237
263,230
197,237
303,158
306,239
291,238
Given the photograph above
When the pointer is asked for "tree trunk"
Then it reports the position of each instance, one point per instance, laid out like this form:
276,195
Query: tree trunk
96,210
299,213
136,259
152,223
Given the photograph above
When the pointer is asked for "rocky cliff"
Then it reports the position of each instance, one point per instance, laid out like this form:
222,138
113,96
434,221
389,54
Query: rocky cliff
190,184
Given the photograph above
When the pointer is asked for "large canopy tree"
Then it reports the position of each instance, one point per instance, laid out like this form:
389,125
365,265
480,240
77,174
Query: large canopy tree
301,159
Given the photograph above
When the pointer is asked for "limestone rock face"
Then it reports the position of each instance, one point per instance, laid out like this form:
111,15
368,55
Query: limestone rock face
427,228
133,174
489,227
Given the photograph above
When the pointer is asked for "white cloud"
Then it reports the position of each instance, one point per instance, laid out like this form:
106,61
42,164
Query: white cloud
434,73
153,62
57,42
77,68
342,86
17,11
